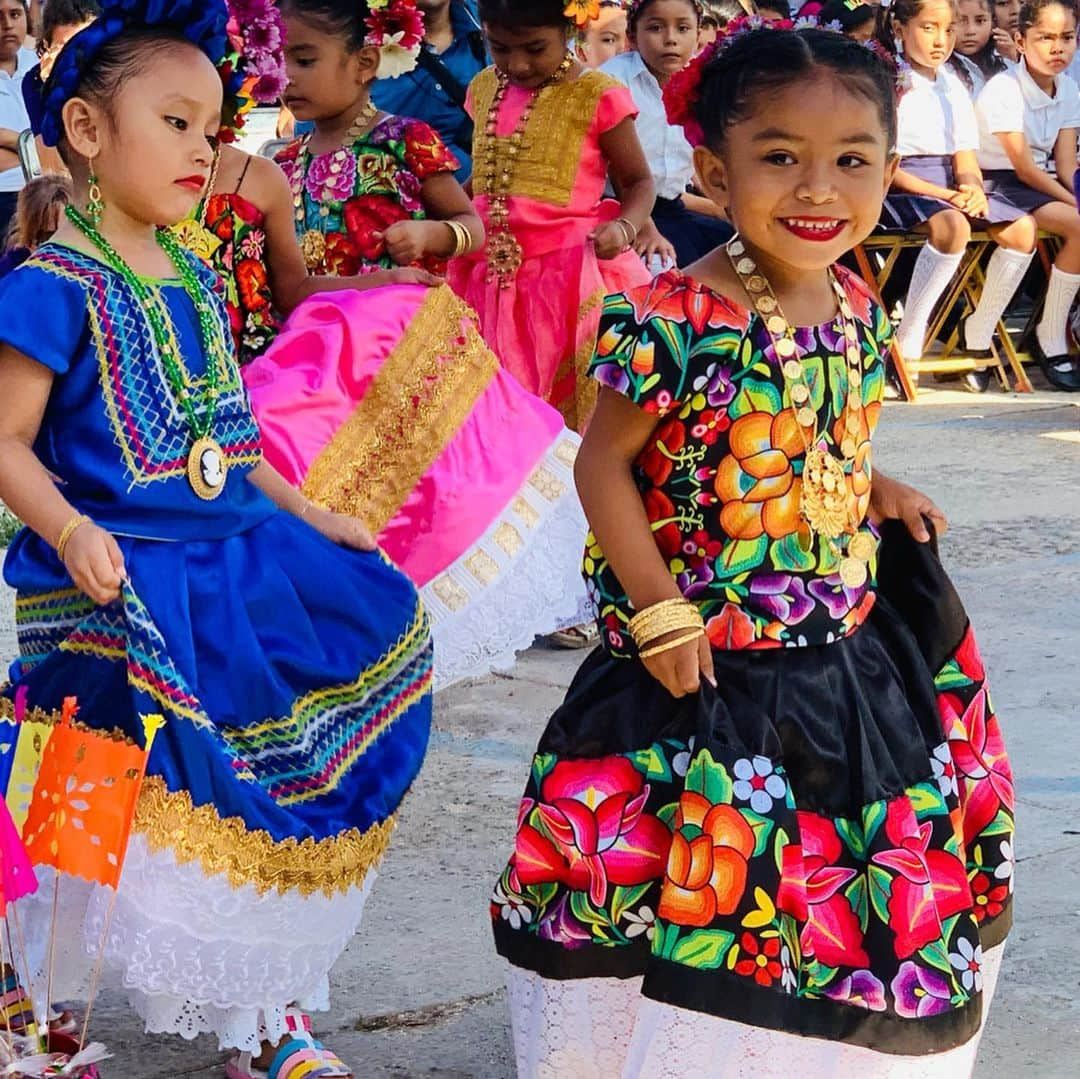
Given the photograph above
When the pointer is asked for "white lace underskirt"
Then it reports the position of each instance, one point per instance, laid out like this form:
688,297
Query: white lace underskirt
520,580
194,954
602,1028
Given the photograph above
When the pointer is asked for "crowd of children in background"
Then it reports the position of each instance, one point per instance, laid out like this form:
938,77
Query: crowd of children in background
979,154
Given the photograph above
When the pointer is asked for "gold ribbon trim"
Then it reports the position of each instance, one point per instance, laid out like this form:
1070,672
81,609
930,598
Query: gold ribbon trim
421,395
546,164
171,822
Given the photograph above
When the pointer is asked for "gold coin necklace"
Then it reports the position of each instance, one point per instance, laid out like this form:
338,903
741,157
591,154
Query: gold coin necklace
825,503
494,177
313,241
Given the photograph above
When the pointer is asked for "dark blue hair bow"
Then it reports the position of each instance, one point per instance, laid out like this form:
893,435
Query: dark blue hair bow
202,22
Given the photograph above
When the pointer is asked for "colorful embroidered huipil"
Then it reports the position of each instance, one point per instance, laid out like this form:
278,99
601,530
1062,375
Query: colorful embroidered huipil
809,865
297,715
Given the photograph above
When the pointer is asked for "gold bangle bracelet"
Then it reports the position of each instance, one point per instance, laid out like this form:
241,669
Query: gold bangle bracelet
671,645
653,608
68,531
662,618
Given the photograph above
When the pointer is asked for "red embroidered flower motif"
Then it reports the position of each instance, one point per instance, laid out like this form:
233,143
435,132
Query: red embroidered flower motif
978,751
989,901
678,299
253,285
731,629
810,891
662,517
595,812
341,256
762,960
367,215
930,885
655,460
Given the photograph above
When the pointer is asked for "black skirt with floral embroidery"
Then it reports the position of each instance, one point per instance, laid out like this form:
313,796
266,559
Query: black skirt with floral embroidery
822,844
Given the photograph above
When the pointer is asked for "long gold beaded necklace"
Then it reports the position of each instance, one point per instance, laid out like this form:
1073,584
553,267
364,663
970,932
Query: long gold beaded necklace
825,503
494,177
313,240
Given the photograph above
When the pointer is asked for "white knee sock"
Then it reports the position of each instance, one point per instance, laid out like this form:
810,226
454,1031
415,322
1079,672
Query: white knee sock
931,276
1060,293
1003,277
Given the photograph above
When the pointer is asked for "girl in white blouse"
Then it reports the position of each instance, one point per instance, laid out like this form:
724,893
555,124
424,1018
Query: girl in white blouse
1029,118
939,189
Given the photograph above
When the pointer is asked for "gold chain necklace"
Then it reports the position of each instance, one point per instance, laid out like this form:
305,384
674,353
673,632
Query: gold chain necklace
494,177
826,504
313,241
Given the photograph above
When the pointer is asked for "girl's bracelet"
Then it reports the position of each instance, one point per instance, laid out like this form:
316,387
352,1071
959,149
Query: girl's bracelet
670,646
68,531
630,230
461,236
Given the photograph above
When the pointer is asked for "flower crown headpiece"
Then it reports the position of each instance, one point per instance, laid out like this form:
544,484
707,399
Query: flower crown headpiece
683,90
396,29
256,33
202,22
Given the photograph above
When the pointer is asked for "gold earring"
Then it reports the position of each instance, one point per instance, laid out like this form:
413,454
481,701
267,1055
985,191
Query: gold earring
95,204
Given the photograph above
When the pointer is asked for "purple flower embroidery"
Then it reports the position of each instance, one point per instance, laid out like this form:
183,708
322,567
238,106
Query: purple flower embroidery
717,385
393,128
559,925
838,598
407,185
920,991
613,376
323,183
782,596
861,989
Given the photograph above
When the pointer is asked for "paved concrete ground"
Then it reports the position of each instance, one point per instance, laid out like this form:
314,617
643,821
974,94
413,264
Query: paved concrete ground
418,993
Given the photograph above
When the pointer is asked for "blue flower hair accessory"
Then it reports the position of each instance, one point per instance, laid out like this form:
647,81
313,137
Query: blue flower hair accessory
202,22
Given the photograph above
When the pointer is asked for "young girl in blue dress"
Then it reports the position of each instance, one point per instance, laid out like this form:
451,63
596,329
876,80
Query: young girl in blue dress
767,833
938,188
165,568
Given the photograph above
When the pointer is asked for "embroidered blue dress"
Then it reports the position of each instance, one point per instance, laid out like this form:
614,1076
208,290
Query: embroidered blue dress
294,674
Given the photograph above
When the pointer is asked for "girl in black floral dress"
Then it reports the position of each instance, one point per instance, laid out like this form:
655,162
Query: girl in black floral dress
769,831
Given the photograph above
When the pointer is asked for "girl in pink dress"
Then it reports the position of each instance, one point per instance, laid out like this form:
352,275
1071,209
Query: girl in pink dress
386,403
549,133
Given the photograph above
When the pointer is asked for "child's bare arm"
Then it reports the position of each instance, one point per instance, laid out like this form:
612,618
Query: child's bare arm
444,200
632,178
91,556
290,281
348,531
617,433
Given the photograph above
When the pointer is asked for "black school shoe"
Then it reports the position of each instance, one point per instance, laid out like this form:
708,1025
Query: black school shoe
1060,371
977,381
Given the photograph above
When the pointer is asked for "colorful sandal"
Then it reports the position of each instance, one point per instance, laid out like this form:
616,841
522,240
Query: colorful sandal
299,1056
17,1012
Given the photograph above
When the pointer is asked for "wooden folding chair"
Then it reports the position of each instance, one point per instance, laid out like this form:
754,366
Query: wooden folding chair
965,287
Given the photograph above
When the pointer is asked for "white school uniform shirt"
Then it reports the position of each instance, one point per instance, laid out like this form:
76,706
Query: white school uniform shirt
13,112
1012,101
978,79
936,117
670,156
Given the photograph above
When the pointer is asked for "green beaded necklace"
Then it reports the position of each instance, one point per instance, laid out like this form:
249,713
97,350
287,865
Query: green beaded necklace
206,464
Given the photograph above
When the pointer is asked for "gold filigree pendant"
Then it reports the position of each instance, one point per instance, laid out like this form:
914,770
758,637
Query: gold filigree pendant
824,494
313,247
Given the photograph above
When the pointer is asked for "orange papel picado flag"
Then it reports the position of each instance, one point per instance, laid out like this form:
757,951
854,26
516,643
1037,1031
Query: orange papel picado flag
83,804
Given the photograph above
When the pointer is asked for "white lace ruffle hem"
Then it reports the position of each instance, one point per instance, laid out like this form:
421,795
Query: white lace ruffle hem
194,954
520,580
603,1028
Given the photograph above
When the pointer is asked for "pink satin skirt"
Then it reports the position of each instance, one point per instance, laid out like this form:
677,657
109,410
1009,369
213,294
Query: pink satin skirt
388,405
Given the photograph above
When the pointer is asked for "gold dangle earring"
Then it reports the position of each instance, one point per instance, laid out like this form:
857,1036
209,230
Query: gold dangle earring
95,204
